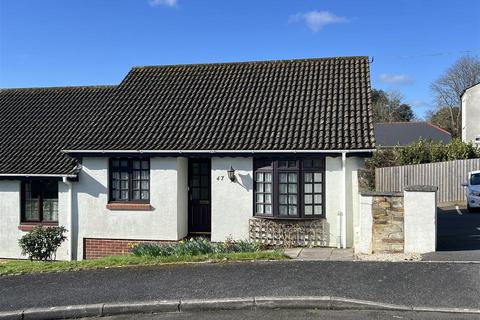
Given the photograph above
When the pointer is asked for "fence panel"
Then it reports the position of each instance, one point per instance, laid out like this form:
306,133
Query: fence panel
447,176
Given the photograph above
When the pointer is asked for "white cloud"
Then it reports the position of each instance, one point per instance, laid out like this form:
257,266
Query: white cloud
167,3
316,20
395,79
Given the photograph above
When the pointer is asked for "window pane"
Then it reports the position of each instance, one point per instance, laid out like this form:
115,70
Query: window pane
308,177
318,177
268,209
124,175
124,184
259,176
283,199
292,177
318,188
31,210
292,199
308,199
145,195
136,195
260,198
204,168
50,209
307,163
268,198
145,164
268,177
259,187
136,164
292,210
124,163
116,175
136,185
145,174
268,187
308,188
283,177
124,195
259,208
204,194
195,168
145,185
292,188
292,164
136,175
283,210
317,163
115,163
283,188
317,210
195,182
308,210
116,195
282,164
318,199
195,193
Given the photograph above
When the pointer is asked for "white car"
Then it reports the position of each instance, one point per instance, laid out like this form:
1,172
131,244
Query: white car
473,190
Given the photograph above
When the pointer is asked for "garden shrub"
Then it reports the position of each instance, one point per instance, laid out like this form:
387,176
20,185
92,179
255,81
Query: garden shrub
193,247
42,243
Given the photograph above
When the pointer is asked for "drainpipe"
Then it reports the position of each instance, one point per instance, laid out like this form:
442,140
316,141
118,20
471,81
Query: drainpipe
70,218
344,201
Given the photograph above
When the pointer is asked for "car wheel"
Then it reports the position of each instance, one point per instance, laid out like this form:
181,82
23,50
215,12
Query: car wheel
469,209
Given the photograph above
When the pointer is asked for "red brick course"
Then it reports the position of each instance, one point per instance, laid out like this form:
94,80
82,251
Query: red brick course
94,248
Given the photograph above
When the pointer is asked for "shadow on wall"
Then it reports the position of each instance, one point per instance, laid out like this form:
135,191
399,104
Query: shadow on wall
245,181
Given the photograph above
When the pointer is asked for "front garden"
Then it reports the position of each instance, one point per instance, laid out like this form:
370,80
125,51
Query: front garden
41,244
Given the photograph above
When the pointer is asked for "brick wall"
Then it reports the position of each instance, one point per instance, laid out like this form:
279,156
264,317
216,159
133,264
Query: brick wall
94,248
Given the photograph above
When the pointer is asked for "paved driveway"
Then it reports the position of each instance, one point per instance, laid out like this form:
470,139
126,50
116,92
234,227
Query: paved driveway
458,233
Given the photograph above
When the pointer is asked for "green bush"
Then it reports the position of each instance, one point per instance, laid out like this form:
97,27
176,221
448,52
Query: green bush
42,243
194,247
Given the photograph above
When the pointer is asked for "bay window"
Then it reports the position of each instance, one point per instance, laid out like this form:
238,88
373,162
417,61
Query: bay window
289,188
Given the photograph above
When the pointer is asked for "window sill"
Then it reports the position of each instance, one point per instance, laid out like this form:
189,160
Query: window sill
130,206
28,226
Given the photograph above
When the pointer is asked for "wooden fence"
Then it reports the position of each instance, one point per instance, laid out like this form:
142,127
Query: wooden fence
447,176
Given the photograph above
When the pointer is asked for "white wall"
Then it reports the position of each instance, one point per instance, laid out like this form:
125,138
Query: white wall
471,114
232,202
160,223
365,225
334,197
182,197
420,221
10,219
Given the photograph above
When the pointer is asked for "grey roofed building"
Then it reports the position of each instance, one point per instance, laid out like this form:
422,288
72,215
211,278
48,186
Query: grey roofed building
392,134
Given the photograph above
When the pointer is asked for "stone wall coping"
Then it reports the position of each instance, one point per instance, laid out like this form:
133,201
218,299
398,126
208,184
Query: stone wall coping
381,194
421,188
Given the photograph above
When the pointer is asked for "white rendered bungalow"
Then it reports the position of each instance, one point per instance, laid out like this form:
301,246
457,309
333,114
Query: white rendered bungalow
265,151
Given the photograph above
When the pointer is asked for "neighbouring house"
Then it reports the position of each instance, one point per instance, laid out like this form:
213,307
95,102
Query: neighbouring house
265,151
471,114
394,134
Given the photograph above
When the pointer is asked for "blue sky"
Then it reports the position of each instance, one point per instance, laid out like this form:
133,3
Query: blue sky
86,42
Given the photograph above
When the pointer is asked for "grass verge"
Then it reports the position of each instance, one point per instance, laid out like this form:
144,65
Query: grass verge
16,267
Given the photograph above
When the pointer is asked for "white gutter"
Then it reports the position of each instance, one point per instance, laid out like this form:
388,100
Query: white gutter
70,217
38,175
344,202
218,151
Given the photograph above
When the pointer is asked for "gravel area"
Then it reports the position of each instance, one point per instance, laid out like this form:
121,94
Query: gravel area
392,257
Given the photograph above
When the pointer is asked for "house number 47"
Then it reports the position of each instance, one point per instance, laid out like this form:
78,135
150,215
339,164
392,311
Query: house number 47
220,178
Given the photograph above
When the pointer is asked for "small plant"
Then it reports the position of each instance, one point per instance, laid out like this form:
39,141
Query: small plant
194,247
42,243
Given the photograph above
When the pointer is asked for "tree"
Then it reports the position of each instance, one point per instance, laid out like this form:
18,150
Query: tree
449,87
442,118
388,107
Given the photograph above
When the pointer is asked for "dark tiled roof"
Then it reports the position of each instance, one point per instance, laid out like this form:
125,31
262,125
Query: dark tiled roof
312,104
35,124
405,133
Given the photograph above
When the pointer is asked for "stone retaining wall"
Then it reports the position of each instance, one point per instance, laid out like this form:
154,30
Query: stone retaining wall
289,233
388,224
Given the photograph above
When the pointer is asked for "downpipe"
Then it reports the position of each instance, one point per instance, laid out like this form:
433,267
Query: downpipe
70,218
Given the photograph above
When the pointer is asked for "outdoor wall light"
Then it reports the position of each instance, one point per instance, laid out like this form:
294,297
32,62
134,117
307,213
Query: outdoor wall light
231,174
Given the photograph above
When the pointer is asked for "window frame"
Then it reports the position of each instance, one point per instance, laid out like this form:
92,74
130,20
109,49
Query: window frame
40,199
130,180
300,170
